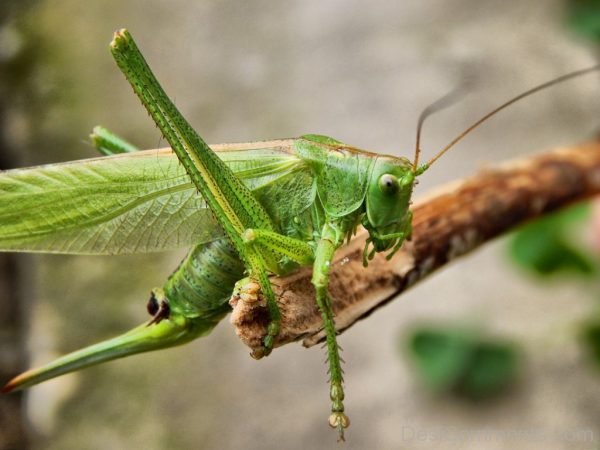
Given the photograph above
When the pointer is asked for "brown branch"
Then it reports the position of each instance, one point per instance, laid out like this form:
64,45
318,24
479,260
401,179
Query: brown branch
447,224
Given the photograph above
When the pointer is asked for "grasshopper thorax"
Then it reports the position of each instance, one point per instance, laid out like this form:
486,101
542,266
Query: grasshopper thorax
387,202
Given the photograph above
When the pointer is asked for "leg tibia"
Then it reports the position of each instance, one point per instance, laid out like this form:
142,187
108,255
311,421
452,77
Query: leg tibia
323,258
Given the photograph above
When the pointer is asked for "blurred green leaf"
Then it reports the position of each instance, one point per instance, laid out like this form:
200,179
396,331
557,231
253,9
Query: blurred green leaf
492,367
439,355
545,246
459,361
583,16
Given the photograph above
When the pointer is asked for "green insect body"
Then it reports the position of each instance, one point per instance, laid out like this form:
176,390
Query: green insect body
241,214
197,293
265,208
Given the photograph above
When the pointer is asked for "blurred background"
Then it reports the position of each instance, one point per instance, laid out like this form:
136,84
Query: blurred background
360,72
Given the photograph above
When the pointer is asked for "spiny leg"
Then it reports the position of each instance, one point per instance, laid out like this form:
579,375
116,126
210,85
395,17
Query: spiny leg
302,253
232,203
323,257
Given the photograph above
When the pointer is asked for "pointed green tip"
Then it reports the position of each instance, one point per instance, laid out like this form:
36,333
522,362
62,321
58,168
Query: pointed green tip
170,332
119,35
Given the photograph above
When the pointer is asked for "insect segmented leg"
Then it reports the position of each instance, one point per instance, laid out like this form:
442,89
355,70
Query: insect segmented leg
398,237
232,203
324,255
301,252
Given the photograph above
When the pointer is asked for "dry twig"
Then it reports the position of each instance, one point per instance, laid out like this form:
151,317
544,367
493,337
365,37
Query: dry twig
447,224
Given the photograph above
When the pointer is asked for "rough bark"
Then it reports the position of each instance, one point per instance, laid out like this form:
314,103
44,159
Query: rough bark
449,223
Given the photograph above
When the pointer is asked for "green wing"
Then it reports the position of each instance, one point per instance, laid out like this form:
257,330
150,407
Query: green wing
136,202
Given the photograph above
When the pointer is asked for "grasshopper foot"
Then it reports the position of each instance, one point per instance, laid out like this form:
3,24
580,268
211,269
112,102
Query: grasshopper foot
268,341
340,421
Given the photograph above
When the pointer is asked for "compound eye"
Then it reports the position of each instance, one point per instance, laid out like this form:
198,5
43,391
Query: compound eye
388,184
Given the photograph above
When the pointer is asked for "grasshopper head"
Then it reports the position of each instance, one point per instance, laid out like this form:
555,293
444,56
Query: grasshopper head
389,191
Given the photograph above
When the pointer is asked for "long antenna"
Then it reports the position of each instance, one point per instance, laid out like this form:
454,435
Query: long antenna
527,93
447,100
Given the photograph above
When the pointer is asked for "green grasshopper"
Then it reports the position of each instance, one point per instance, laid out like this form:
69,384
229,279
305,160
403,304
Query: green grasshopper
264,208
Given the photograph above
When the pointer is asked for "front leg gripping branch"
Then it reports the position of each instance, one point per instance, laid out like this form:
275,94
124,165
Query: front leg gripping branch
302,253
323,257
